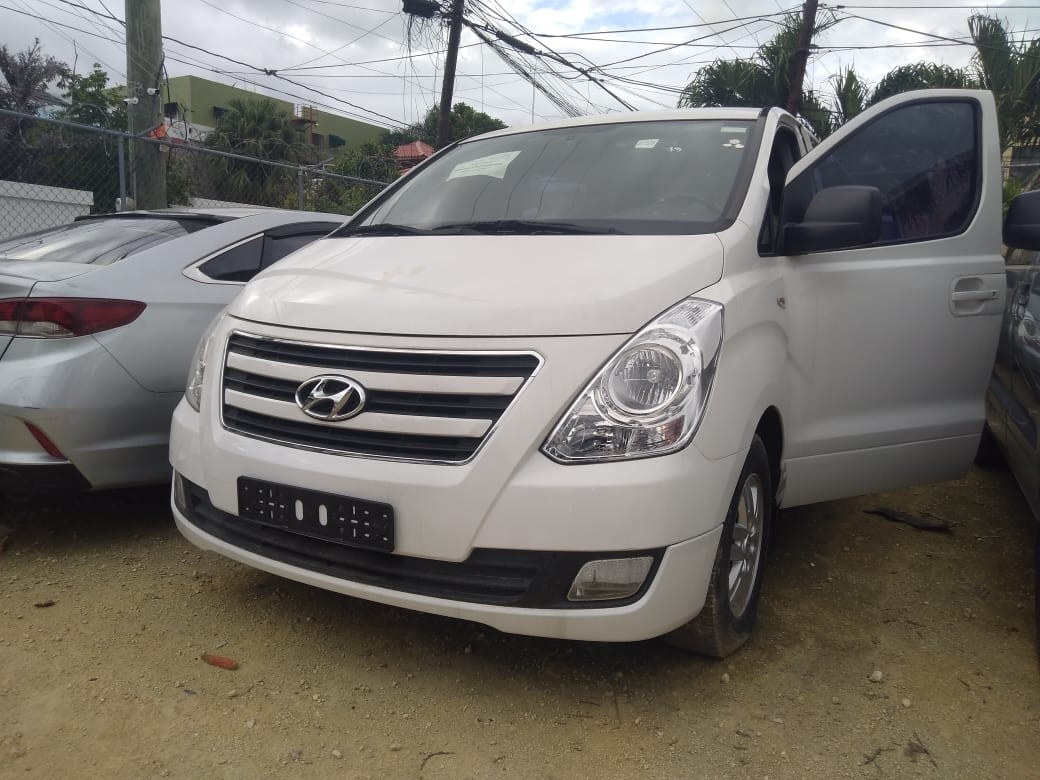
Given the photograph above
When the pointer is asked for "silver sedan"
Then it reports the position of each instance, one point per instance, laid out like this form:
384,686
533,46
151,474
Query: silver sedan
98,322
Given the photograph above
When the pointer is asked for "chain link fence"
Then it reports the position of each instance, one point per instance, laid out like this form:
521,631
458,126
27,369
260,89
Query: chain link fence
52,171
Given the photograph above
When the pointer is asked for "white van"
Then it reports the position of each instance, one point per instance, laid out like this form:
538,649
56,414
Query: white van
558,379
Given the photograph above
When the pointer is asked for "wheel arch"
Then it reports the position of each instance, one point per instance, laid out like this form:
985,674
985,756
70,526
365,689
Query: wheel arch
770,429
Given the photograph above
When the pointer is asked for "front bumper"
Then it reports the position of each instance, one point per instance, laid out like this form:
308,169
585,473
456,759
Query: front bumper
672,594
667,507
509,507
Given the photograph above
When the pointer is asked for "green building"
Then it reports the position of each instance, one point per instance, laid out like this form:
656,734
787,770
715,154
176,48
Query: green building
195,104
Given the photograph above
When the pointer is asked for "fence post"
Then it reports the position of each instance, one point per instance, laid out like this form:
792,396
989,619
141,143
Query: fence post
299,184
122,175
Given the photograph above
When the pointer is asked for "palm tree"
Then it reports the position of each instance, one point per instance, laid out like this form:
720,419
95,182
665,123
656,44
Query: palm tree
850,96
920,75
1011,70
255,128
762,80
259,128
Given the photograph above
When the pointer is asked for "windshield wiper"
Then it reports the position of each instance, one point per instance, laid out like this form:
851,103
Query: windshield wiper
381,229
525,227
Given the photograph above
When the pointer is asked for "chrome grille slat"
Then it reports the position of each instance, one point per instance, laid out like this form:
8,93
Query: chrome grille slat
366,421
473,406
348,359
441,406
405,383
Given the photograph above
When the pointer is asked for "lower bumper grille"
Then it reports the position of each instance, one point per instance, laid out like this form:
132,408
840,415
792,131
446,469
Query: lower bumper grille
516,578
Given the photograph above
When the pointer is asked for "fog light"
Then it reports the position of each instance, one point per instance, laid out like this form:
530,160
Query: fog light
180,493
614,578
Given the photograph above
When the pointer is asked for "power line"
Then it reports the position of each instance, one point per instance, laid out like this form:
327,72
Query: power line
752,18
281,32
355,7
265,71
935,36
309,100
351,42
50,24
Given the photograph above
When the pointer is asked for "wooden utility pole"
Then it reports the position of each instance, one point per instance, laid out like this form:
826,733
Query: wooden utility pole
448,85
144,60
801,56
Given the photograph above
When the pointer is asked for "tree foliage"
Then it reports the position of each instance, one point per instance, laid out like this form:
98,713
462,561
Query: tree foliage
763,80
90,100
255,128
26,76
376,162
920,75
466,121
849,98
1011,70
260,128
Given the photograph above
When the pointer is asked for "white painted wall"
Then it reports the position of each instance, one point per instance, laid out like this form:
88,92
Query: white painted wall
28,207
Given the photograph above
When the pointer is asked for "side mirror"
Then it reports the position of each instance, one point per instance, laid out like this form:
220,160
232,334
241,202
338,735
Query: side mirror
836,218
1022,223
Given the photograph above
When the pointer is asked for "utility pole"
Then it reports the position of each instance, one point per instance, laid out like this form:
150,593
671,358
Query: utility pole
448,85
144,60
801,56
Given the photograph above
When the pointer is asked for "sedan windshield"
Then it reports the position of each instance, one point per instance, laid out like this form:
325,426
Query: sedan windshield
96,241
679,176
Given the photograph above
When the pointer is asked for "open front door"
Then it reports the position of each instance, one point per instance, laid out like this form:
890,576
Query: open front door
890,384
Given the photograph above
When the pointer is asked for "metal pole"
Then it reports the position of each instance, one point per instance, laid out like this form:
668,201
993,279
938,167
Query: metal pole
122,175
299,187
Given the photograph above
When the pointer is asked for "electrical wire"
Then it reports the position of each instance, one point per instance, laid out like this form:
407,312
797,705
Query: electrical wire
264,71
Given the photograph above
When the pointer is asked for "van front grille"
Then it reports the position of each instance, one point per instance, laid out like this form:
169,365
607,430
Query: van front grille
419,404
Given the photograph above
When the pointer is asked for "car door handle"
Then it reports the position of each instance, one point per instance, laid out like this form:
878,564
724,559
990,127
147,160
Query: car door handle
974,295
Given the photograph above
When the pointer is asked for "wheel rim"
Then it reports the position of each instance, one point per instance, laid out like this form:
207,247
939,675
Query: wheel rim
746,549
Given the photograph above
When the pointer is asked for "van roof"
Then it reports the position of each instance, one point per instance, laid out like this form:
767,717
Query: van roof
736,114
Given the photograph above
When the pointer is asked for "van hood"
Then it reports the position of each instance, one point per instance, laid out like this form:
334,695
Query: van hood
544,285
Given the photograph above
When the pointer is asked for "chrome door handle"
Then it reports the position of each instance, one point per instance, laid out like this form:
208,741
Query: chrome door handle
974,295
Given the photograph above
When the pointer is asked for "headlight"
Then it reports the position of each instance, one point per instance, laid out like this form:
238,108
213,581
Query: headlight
193,388
649,398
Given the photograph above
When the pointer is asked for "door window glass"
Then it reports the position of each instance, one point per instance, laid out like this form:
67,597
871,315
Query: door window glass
922,157
240,263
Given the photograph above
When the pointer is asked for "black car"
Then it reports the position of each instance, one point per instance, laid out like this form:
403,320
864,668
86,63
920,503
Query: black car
1013,399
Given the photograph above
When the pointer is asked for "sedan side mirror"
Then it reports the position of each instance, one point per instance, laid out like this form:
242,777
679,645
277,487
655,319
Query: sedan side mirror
1022,223
836,218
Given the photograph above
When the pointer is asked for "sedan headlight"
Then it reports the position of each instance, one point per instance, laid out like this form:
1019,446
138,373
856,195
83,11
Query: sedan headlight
649,398
193,388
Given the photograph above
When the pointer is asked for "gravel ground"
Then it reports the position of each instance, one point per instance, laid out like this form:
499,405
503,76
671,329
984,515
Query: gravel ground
881,651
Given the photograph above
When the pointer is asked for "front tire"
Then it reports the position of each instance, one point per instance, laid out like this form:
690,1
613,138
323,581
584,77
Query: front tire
731,606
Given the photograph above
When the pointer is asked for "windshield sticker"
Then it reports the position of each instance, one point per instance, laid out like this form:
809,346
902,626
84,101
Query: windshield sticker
647,143
492,165
732,130
733,143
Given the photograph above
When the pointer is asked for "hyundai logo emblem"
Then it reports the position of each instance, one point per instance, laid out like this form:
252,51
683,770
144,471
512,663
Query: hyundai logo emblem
330,398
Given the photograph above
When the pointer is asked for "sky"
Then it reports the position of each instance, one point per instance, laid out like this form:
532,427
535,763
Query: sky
362,58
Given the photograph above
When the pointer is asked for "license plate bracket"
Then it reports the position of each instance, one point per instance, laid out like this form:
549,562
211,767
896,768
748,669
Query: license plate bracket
341,519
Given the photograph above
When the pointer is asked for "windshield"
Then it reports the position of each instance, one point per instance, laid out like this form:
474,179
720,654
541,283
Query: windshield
674,176
97,241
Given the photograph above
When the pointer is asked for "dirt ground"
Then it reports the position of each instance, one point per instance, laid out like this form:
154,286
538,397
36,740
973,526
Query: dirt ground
107,681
